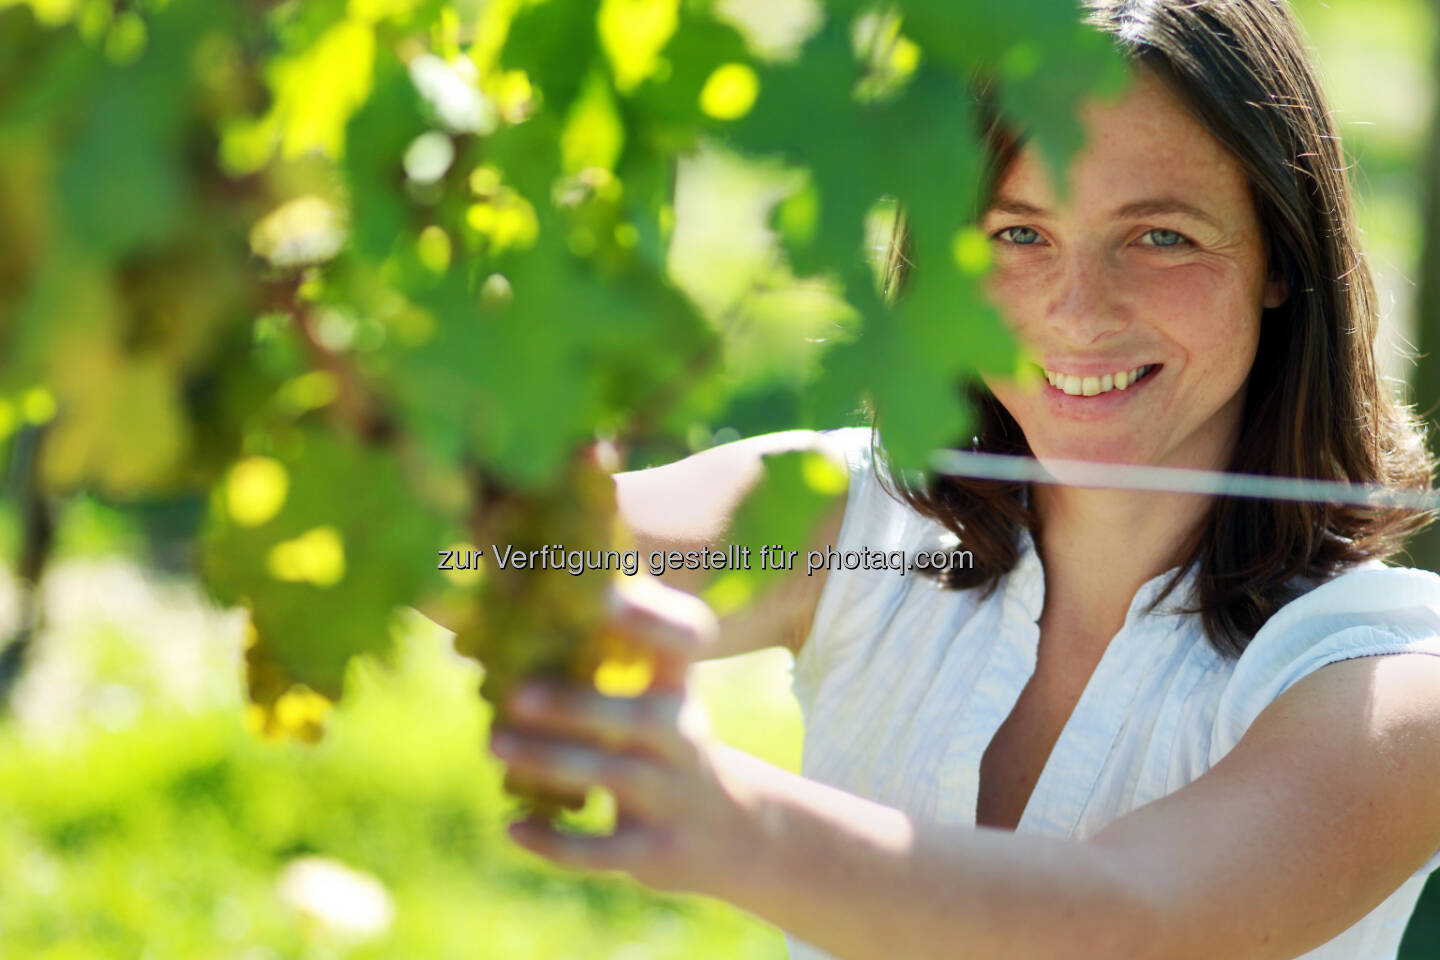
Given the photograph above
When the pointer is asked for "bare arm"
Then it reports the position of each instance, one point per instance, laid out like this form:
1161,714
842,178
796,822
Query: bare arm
1320,812
689,505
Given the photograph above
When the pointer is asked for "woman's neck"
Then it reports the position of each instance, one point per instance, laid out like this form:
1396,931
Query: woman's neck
1099,546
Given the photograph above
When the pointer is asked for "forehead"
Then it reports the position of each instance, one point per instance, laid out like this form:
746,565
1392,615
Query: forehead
1144,144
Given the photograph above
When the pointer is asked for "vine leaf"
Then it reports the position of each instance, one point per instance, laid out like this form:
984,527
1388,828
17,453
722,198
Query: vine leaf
321,575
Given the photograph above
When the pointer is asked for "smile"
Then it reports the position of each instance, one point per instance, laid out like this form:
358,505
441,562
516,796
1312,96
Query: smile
1078,386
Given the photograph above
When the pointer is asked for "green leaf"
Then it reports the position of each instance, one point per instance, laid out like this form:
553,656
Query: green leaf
522,384
122,182
555,42
374,164
784,510
350,542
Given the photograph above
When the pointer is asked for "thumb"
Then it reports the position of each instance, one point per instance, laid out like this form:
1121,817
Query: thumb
674,627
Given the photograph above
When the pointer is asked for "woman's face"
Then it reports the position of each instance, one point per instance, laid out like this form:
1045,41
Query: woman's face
1139,292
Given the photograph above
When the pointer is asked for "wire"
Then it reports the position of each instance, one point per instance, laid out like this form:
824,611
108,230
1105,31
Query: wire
1085,473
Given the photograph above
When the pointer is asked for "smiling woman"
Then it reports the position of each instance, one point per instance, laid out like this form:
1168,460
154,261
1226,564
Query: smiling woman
1207,246
1140,725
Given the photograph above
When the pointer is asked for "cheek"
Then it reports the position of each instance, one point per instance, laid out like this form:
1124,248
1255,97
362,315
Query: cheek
1018,291
1209,313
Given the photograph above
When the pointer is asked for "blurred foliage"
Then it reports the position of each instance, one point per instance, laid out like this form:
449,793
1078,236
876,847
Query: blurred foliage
783,513
373,277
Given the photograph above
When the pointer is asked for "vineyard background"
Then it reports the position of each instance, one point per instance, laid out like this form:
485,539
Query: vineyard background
142,816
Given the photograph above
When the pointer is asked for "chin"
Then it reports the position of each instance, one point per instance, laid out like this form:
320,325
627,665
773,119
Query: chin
1093,449
1056,458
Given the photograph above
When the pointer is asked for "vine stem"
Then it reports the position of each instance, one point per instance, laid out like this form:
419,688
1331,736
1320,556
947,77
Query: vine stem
354,404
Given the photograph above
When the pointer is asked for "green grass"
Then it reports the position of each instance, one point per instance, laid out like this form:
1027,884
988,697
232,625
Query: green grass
166,838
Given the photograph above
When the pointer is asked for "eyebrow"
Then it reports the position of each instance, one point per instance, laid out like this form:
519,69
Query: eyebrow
1150,208
1140,208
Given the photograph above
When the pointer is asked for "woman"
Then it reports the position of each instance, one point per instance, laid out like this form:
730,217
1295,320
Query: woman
1144,725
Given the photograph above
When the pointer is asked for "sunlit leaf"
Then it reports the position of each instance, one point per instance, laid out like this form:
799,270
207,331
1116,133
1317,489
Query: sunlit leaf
633,32
729,92
433,249
255,490
316,556
317,89
322,575
971,250
785,509
593,134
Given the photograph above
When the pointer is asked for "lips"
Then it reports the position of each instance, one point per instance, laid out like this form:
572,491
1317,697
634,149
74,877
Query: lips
1077,385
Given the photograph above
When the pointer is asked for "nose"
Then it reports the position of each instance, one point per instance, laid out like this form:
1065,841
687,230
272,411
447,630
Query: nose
1083,307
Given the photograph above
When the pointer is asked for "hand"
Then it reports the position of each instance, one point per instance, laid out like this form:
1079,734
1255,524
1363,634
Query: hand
682,823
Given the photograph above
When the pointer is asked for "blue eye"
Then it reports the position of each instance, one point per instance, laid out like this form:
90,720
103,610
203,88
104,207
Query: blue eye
1164,238
1020,236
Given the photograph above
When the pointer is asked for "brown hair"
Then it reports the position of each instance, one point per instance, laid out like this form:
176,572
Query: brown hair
1319,411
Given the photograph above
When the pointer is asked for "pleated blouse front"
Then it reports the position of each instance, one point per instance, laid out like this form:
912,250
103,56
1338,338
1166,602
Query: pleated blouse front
903,685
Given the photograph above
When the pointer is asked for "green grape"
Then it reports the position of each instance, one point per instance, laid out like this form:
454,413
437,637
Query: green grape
546,622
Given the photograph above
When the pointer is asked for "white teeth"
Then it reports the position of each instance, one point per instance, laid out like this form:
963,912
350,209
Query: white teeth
1077,386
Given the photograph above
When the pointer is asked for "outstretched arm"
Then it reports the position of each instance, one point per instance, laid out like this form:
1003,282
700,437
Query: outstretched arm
1324,807
1322,810
689,505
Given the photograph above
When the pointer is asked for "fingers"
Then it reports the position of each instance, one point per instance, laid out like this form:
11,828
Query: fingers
648,725
516,784
568,769
559,739
630,846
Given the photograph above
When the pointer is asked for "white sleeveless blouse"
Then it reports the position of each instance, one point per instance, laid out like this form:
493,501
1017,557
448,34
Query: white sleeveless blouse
903,685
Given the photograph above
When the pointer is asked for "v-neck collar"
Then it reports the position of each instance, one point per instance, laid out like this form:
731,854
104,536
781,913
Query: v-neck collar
1058,799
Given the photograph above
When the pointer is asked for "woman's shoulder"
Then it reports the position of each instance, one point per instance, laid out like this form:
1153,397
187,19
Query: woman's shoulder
854,444
1373,591
1369,610
1372,606
876,515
